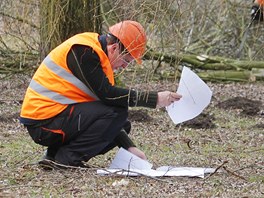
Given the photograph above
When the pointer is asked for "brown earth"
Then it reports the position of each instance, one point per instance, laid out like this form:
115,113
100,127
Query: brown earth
245,107
228,135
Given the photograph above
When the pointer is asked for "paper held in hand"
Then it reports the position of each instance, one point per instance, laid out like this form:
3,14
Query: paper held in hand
196,95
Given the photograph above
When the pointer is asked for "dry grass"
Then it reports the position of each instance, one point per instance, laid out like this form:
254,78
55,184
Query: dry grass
215,28
237,140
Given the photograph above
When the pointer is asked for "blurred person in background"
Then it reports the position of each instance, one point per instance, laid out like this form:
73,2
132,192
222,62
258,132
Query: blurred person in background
257,10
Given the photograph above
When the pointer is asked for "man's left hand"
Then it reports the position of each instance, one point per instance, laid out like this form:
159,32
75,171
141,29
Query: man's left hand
137,152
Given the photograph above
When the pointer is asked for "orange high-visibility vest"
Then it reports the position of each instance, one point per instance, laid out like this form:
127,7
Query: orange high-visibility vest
53,86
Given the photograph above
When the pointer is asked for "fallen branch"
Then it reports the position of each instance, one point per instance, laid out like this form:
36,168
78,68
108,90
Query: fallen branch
234,174
216,68
205,62
211,174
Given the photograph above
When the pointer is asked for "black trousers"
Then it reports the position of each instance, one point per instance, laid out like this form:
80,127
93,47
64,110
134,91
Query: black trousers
81,132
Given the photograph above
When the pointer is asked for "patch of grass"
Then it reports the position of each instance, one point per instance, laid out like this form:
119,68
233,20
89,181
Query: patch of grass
257,179
233,140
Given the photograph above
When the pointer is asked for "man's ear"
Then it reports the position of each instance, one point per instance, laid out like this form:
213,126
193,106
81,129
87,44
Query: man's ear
112,48
115,46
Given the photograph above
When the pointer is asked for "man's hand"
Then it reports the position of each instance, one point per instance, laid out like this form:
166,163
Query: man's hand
137,152
165,98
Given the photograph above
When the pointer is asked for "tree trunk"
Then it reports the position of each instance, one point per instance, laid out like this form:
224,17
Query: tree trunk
61,19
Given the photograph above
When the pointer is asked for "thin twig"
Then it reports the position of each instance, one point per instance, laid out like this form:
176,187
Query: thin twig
234,174
121,172
211,174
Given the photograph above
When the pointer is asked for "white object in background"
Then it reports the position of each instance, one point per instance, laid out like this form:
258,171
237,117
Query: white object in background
196,95
127,164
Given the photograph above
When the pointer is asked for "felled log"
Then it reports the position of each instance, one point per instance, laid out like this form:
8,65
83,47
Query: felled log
206,62
231,75
214,68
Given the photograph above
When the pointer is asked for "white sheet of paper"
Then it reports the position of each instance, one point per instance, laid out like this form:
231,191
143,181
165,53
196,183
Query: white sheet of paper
196,95
173,172
126,160
127,164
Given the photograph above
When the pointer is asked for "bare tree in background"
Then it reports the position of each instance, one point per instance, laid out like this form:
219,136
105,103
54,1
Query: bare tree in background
61,19
178,32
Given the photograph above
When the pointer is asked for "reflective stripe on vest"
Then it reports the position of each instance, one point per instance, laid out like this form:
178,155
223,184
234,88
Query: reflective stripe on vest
50,94
65,75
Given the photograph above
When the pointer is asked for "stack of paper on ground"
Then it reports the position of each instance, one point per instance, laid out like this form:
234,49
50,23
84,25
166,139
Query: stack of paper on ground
196,95
127,164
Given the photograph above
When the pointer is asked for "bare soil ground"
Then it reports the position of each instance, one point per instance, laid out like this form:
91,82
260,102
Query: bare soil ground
228,135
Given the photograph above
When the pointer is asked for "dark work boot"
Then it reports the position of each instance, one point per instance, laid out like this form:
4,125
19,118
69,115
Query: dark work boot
48,163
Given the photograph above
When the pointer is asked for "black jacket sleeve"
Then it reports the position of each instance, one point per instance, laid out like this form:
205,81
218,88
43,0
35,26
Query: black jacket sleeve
86,66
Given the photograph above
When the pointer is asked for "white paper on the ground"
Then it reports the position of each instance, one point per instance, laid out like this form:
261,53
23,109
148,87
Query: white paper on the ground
196,95
127,164
126,160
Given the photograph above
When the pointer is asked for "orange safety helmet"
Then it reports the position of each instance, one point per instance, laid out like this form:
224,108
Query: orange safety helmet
260,2
132,35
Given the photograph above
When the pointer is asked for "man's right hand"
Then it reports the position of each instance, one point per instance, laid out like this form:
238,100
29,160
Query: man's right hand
165,98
